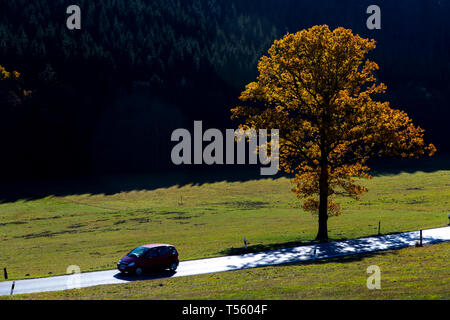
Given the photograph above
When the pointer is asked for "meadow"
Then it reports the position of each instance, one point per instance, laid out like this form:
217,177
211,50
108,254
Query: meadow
43,236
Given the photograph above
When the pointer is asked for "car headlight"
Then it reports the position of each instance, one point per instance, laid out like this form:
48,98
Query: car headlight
131,264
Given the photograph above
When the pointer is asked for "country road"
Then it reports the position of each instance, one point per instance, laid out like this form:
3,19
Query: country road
229,263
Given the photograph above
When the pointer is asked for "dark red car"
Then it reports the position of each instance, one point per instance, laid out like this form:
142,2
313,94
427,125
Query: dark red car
149,257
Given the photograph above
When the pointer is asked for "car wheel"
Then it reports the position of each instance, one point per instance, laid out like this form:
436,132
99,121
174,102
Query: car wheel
173,267
138,271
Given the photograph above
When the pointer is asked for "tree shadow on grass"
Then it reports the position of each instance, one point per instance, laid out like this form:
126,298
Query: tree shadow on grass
286,245
195,176
271,260
113,184
355,249
265,247
342,259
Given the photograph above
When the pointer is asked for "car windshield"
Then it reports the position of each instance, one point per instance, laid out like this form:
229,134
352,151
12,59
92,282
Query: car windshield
138,252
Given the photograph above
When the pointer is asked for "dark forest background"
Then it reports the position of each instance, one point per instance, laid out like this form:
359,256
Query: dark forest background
105,99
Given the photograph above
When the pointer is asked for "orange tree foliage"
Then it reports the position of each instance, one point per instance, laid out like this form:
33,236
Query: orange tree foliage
318,88
11,92
5,75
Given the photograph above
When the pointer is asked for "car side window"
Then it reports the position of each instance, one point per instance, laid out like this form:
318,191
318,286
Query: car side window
163,251
152,253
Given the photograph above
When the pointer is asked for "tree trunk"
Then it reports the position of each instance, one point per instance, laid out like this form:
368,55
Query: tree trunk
322,235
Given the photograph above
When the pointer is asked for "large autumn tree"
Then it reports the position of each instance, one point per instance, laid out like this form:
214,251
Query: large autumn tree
319,89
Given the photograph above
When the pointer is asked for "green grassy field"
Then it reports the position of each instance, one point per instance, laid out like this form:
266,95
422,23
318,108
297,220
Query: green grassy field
43,237
411,273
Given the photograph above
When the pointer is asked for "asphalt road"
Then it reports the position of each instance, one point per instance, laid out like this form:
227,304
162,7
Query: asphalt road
229,263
